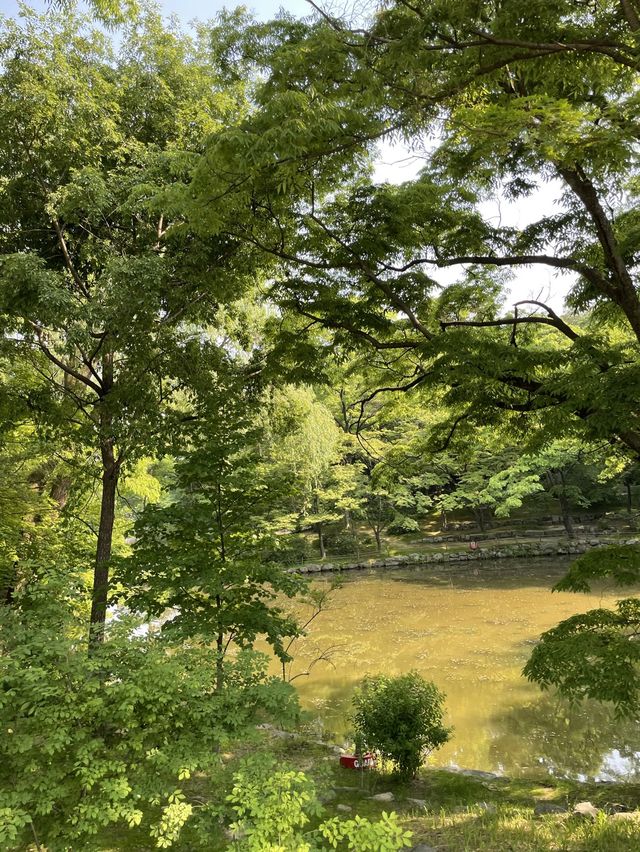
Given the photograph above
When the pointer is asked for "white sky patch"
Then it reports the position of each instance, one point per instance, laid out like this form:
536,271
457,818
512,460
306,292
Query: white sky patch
396,164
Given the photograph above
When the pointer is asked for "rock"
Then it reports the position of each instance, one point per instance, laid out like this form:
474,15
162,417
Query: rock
327,796
348,789
616,808
420,803
586,809
383,797
344,808
541,808
478,773
626,816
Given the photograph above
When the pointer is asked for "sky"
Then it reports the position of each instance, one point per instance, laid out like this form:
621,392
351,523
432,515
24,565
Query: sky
187,10
395,163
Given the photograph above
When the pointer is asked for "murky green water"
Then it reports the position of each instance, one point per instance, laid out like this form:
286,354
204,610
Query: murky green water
470,633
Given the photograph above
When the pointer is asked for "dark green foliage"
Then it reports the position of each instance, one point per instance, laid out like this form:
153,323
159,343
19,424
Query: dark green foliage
620,563
401,717
595,655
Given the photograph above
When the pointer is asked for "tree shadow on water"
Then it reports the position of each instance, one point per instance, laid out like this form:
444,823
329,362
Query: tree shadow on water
502,574
549,736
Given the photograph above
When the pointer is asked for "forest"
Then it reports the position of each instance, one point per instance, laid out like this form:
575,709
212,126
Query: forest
231,347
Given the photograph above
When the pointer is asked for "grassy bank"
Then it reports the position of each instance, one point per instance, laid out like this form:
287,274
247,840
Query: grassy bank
452,812
446,811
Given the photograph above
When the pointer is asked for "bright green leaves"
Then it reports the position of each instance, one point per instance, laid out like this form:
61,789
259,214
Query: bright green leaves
112,741
620,563
208,559
595,655
401,717
274,805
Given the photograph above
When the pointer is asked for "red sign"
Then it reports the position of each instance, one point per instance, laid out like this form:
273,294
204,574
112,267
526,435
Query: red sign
352,761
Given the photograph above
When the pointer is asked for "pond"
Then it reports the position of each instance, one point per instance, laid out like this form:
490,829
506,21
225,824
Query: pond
470,633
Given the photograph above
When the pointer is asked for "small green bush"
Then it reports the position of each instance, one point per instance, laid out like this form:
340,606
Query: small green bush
275,806
400,717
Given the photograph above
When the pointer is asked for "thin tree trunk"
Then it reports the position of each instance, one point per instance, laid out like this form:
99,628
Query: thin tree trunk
223,559
376,532
110,475
220,657
567,520
323,551
629,499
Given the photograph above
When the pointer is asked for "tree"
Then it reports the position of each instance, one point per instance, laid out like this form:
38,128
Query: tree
595,654
208,560
109,741
305,444
401,717
100,280
513,102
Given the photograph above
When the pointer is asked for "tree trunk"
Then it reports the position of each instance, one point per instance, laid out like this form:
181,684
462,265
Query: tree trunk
565,509
323,551
479,516
110,474
444,521
629,500
376,532
220,657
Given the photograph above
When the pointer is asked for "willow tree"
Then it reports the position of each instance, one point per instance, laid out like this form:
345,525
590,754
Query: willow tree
101,283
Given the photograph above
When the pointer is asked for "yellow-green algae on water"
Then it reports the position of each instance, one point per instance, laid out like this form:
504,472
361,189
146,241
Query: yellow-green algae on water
471,632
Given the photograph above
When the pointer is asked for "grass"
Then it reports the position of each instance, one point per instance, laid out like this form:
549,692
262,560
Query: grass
461,813
466,814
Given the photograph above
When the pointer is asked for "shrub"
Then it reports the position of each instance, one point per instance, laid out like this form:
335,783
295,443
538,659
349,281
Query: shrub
109,742
400,717
273,806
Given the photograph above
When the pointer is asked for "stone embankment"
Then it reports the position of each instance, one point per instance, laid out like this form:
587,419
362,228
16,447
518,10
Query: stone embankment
534,549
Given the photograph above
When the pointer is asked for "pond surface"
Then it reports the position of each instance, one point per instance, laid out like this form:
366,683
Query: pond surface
471,634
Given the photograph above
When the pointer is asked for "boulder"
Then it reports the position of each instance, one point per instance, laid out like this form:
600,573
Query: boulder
344,808
481,774
586,809
383,797
626,816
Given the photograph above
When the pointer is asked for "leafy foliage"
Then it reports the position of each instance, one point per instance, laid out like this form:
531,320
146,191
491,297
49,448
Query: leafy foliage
620,563
112,739
206,558
401,717
273,804
595,655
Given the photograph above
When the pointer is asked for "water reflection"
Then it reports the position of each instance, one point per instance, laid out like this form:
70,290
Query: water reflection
471,634
549,736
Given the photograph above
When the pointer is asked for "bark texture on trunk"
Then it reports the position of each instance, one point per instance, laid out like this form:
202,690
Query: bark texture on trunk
110,474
